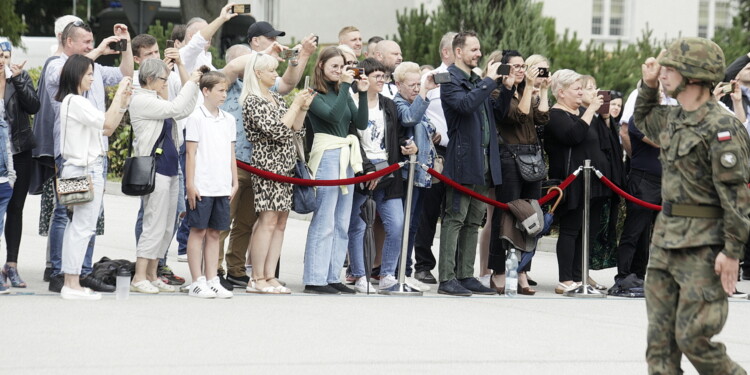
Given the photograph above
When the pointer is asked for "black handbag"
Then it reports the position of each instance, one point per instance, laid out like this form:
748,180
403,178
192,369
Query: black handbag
303,197
529,162
139,172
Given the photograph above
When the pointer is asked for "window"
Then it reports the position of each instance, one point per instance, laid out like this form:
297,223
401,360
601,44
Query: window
616,14
722,16
597,17
703,18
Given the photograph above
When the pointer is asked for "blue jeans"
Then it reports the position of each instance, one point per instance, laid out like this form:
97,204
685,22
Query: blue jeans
57,230
327,237
6,192
392,214
417,201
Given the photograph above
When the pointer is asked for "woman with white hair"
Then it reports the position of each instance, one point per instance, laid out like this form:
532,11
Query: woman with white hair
569,140
270,126
156,133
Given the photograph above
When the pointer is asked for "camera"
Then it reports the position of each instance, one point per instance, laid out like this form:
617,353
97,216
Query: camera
727,87
288,53
244,8
503,70
358,72
543,73
122,45
607,96
442,77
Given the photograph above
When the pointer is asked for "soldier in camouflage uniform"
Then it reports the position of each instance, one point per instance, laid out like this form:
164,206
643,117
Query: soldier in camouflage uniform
699,235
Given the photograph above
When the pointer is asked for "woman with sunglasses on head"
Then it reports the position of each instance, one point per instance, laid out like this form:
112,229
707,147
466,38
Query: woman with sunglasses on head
517,136
335,154
18,100
270,126
155,132
81,130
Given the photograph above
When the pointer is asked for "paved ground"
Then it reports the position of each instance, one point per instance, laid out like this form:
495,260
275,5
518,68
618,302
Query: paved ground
433,334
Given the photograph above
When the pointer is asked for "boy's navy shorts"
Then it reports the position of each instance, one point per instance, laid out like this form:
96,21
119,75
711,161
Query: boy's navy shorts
209,213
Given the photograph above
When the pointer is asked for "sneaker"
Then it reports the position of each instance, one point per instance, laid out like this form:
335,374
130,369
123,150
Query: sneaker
4,289
364,286
416,284
56,283
476,287
199,288
217,287
167,275
738,295
224,283
84,294
47,274
238,281
425,277
351,279
182,257
485,280
162,286
342,288
321,289
387,281
453,288
143,286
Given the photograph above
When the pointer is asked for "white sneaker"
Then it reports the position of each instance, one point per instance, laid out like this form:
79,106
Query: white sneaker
416,284
387,282
364,286
162,286
199,288
219,290
738,295
182,257
485,280
85,294
144,286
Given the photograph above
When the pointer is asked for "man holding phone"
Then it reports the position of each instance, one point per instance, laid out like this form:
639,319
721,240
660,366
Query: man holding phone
472,160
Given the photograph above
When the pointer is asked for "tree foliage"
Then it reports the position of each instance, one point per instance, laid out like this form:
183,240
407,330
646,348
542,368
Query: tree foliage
11,25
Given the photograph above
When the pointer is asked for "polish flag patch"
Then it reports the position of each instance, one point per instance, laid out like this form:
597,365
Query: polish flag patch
724,136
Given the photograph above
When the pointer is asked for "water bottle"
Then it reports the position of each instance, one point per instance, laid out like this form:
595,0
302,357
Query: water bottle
511,274
122,288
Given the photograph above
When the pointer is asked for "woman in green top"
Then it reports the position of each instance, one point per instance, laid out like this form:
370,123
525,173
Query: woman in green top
335,154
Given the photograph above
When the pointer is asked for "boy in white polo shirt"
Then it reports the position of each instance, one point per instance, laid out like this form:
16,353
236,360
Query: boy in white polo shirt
211,182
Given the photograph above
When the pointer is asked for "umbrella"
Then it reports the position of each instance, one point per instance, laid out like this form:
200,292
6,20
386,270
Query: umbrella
367,213
548,218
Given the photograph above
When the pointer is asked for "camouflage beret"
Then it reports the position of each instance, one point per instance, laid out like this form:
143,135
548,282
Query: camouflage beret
695,58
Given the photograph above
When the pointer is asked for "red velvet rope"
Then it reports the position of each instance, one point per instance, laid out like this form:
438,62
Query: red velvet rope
495,203
627,196
305,182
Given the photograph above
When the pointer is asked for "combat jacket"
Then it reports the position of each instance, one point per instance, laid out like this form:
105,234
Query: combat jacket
704,157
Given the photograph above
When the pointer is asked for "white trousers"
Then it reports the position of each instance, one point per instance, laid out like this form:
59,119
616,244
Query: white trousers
79,230
159,209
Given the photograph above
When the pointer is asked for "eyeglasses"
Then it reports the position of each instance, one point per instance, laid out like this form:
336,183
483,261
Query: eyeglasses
519,66
378,77
5,46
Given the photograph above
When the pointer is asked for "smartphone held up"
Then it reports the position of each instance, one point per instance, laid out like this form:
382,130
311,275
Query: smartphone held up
241,8
607,97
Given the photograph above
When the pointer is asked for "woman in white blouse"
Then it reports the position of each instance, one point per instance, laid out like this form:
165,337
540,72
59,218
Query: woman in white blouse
83,151
154,126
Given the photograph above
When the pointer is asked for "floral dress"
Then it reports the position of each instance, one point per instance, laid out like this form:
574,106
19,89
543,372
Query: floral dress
273,150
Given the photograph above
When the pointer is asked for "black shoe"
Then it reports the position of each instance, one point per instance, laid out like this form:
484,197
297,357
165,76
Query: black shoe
238,281
342,288
224,282
47,274
425,277
531,282
472,284
97,285
321,289
56,283
453,288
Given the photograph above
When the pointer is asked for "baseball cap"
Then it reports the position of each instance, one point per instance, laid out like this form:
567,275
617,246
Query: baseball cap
262,29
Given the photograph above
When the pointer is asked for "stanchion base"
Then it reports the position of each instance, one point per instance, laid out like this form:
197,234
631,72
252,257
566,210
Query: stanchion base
585,291
400,290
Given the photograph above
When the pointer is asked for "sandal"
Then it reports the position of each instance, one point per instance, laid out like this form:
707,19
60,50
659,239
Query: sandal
251,288
12,274
500,289
281,288
562,288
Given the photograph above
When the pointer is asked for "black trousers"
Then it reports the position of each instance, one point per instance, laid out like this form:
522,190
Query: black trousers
432,209
513,187
569,242
23,164
632,253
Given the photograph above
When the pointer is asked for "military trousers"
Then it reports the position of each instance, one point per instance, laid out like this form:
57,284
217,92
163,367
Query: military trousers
458,233
686,306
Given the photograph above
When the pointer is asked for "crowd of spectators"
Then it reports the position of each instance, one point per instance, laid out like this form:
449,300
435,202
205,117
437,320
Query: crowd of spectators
367,107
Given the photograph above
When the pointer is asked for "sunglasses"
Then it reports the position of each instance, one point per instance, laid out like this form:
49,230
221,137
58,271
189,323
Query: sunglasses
79,24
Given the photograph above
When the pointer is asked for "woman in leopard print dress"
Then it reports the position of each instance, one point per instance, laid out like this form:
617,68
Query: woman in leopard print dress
270,127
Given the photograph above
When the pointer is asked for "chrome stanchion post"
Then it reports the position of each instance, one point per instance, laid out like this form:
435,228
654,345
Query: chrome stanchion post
586,290
401,289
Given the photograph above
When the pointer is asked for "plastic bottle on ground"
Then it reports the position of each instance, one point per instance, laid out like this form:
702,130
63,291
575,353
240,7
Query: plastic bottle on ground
511,274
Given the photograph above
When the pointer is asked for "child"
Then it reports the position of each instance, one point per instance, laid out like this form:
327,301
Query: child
211,182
